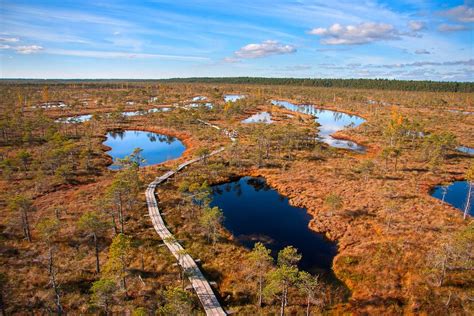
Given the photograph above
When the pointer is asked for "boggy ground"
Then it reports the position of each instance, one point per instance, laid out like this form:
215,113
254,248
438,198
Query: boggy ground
388,224
152,268
387,228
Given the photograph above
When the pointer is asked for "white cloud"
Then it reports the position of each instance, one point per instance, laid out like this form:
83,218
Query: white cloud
462,13
452,27
231,60
362,33
112,54
416,26
9,39
422,52
28,49
266,48
20,49
417,64
469,62
71,16
297,69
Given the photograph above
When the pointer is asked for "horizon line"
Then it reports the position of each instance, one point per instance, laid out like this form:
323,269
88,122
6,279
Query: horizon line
230,77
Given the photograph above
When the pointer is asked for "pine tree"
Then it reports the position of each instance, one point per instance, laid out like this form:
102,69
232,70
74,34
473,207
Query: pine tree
285,276
260,263
103,292
23,206
93,224
49,230
119,258
210,220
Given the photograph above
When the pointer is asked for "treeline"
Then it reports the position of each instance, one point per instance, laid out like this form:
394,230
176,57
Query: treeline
380,84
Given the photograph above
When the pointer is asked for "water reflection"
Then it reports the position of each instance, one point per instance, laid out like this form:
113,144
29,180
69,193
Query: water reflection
88,117
466,150
330,122
262,117
254,212
157,148
455,194
233,97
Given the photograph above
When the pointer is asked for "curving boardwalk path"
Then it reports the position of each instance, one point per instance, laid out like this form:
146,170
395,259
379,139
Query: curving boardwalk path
202,287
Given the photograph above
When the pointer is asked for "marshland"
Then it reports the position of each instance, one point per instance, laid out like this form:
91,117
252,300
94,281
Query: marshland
286,212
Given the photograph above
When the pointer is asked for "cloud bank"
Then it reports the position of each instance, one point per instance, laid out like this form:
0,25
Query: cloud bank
362,33
462,13
452,27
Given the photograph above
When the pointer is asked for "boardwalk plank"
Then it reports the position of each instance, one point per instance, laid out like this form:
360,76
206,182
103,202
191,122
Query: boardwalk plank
200,284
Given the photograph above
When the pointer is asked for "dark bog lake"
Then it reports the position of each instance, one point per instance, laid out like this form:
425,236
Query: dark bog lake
455,194
157,148
330,122
254,212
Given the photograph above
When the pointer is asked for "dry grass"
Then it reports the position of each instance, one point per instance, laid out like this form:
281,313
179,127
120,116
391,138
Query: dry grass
381,259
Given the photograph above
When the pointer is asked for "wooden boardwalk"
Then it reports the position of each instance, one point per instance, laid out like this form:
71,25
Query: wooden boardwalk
202,287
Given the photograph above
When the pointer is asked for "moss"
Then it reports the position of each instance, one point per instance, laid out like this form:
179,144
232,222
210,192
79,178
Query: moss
350,260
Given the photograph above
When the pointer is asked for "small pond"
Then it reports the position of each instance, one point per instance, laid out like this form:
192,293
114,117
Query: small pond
157,148
233,97
262,117
330,122
254,212
145,112
88,117
75,119
455,194
461,112
466,150
197,105
51,105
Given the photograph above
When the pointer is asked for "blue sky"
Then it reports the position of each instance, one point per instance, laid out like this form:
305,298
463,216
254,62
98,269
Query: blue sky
405,39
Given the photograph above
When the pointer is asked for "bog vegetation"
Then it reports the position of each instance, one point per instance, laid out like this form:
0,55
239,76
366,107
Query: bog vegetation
75,236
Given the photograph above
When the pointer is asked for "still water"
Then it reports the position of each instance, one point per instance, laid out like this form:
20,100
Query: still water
233,97
254,212
157,148
330,122
455,194
88,117
261,117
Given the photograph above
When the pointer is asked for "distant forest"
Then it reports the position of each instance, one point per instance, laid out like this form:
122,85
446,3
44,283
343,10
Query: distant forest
381,84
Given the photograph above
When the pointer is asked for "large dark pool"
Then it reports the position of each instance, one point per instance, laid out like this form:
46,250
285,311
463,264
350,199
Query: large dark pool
455,194
255,212
157,148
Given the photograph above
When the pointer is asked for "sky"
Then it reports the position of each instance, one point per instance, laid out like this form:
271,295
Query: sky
404,39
